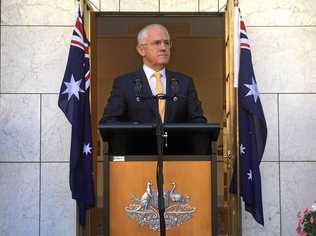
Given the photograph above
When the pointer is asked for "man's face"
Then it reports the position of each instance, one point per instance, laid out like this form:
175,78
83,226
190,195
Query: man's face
155,49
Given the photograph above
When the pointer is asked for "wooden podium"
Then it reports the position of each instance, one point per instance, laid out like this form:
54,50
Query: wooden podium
189,161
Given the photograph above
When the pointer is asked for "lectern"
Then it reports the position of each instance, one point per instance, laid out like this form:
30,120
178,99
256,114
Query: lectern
190,179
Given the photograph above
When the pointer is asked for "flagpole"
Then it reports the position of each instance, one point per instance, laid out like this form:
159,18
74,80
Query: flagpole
239,218
251,130
236,77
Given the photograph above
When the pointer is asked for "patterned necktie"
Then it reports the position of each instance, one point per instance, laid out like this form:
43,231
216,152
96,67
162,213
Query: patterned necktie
159,90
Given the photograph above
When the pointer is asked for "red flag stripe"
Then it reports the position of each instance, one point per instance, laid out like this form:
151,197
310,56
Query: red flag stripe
88,75
242,26
79,26
77,44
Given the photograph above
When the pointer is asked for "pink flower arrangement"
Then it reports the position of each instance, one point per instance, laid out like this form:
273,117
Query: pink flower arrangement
306,223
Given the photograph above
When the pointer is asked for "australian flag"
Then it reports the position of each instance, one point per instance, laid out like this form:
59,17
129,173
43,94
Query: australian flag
74,102
252,133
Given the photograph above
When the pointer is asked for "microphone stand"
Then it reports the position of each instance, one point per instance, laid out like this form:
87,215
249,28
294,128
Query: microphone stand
161,142
159,170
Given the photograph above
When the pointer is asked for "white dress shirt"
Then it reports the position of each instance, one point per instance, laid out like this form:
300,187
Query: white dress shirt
152,79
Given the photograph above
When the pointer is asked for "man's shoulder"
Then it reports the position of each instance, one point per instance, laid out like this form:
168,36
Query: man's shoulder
130,76
179,75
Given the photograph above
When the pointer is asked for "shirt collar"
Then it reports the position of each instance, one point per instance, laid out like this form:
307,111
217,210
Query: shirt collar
149,72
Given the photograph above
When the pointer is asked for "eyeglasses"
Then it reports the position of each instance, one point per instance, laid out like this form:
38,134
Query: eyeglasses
158,43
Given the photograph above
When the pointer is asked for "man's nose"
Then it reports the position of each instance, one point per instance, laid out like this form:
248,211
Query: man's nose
163,46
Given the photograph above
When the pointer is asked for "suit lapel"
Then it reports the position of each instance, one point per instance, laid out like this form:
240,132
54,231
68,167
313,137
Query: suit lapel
146,91
168,107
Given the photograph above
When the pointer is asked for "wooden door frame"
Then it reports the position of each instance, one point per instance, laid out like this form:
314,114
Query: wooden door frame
231,147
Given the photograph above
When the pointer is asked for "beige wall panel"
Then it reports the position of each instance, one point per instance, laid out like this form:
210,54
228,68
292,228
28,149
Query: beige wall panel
99,190
20,127
271,207
37,12
189,54
220,183
284,58
33,59
221,5
270,107
95,4
280,12
298,192
104,91
139,5
179,5
212,5
211,96
56,131
297,127
19,205
58,209
116,48
110,5
209,5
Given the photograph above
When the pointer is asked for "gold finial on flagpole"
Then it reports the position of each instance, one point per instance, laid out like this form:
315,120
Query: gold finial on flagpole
236,3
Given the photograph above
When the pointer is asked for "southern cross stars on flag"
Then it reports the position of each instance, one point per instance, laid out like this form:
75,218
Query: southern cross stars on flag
74,102
252,132
73,88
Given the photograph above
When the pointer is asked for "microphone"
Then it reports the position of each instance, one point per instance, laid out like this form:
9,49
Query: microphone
137,88
174,84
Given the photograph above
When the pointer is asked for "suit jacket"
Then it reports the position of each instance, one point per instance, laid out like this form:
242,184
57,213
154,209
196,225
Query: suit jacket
122,105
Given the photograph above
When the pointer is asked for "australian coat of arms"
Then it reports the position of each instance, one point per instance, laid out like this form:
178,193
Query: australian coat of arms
144,209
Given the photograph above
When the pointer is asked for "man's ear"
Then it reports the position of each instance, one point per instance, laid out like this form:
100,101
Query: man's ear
140,50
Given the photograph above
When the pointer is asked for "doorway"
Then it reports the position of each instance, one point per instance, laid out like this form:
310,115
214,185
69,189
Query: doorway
198,50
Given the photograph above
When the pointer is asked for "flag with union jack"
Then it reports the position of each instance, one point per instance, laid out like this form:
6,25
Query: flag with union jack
74,102
252,132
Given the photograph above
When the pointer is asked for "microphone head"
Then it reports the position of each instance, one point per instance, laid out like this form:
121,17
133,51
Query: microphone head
174,85
137,88
138,84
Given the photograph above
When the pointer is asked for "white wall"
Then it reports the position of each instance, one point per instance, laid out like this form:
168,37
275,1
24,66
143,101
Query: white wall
34,135
283,35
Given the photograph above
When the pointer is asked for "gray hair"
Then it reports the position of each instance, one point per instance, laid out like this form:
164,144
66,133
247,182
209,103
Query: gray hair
142,34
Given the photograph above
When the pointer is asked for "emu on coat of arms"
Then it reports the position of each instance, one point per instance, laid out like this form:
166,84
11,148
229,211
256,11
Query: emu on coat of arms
144,209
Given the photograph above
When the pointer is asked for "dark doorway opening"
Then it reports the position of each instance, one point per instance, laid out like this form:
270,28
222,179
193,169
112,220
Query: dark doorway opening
198,50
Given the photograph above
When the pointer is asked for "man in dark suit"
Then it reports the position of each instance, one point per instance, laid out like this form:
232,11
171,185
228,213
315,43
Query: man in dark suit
133,95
